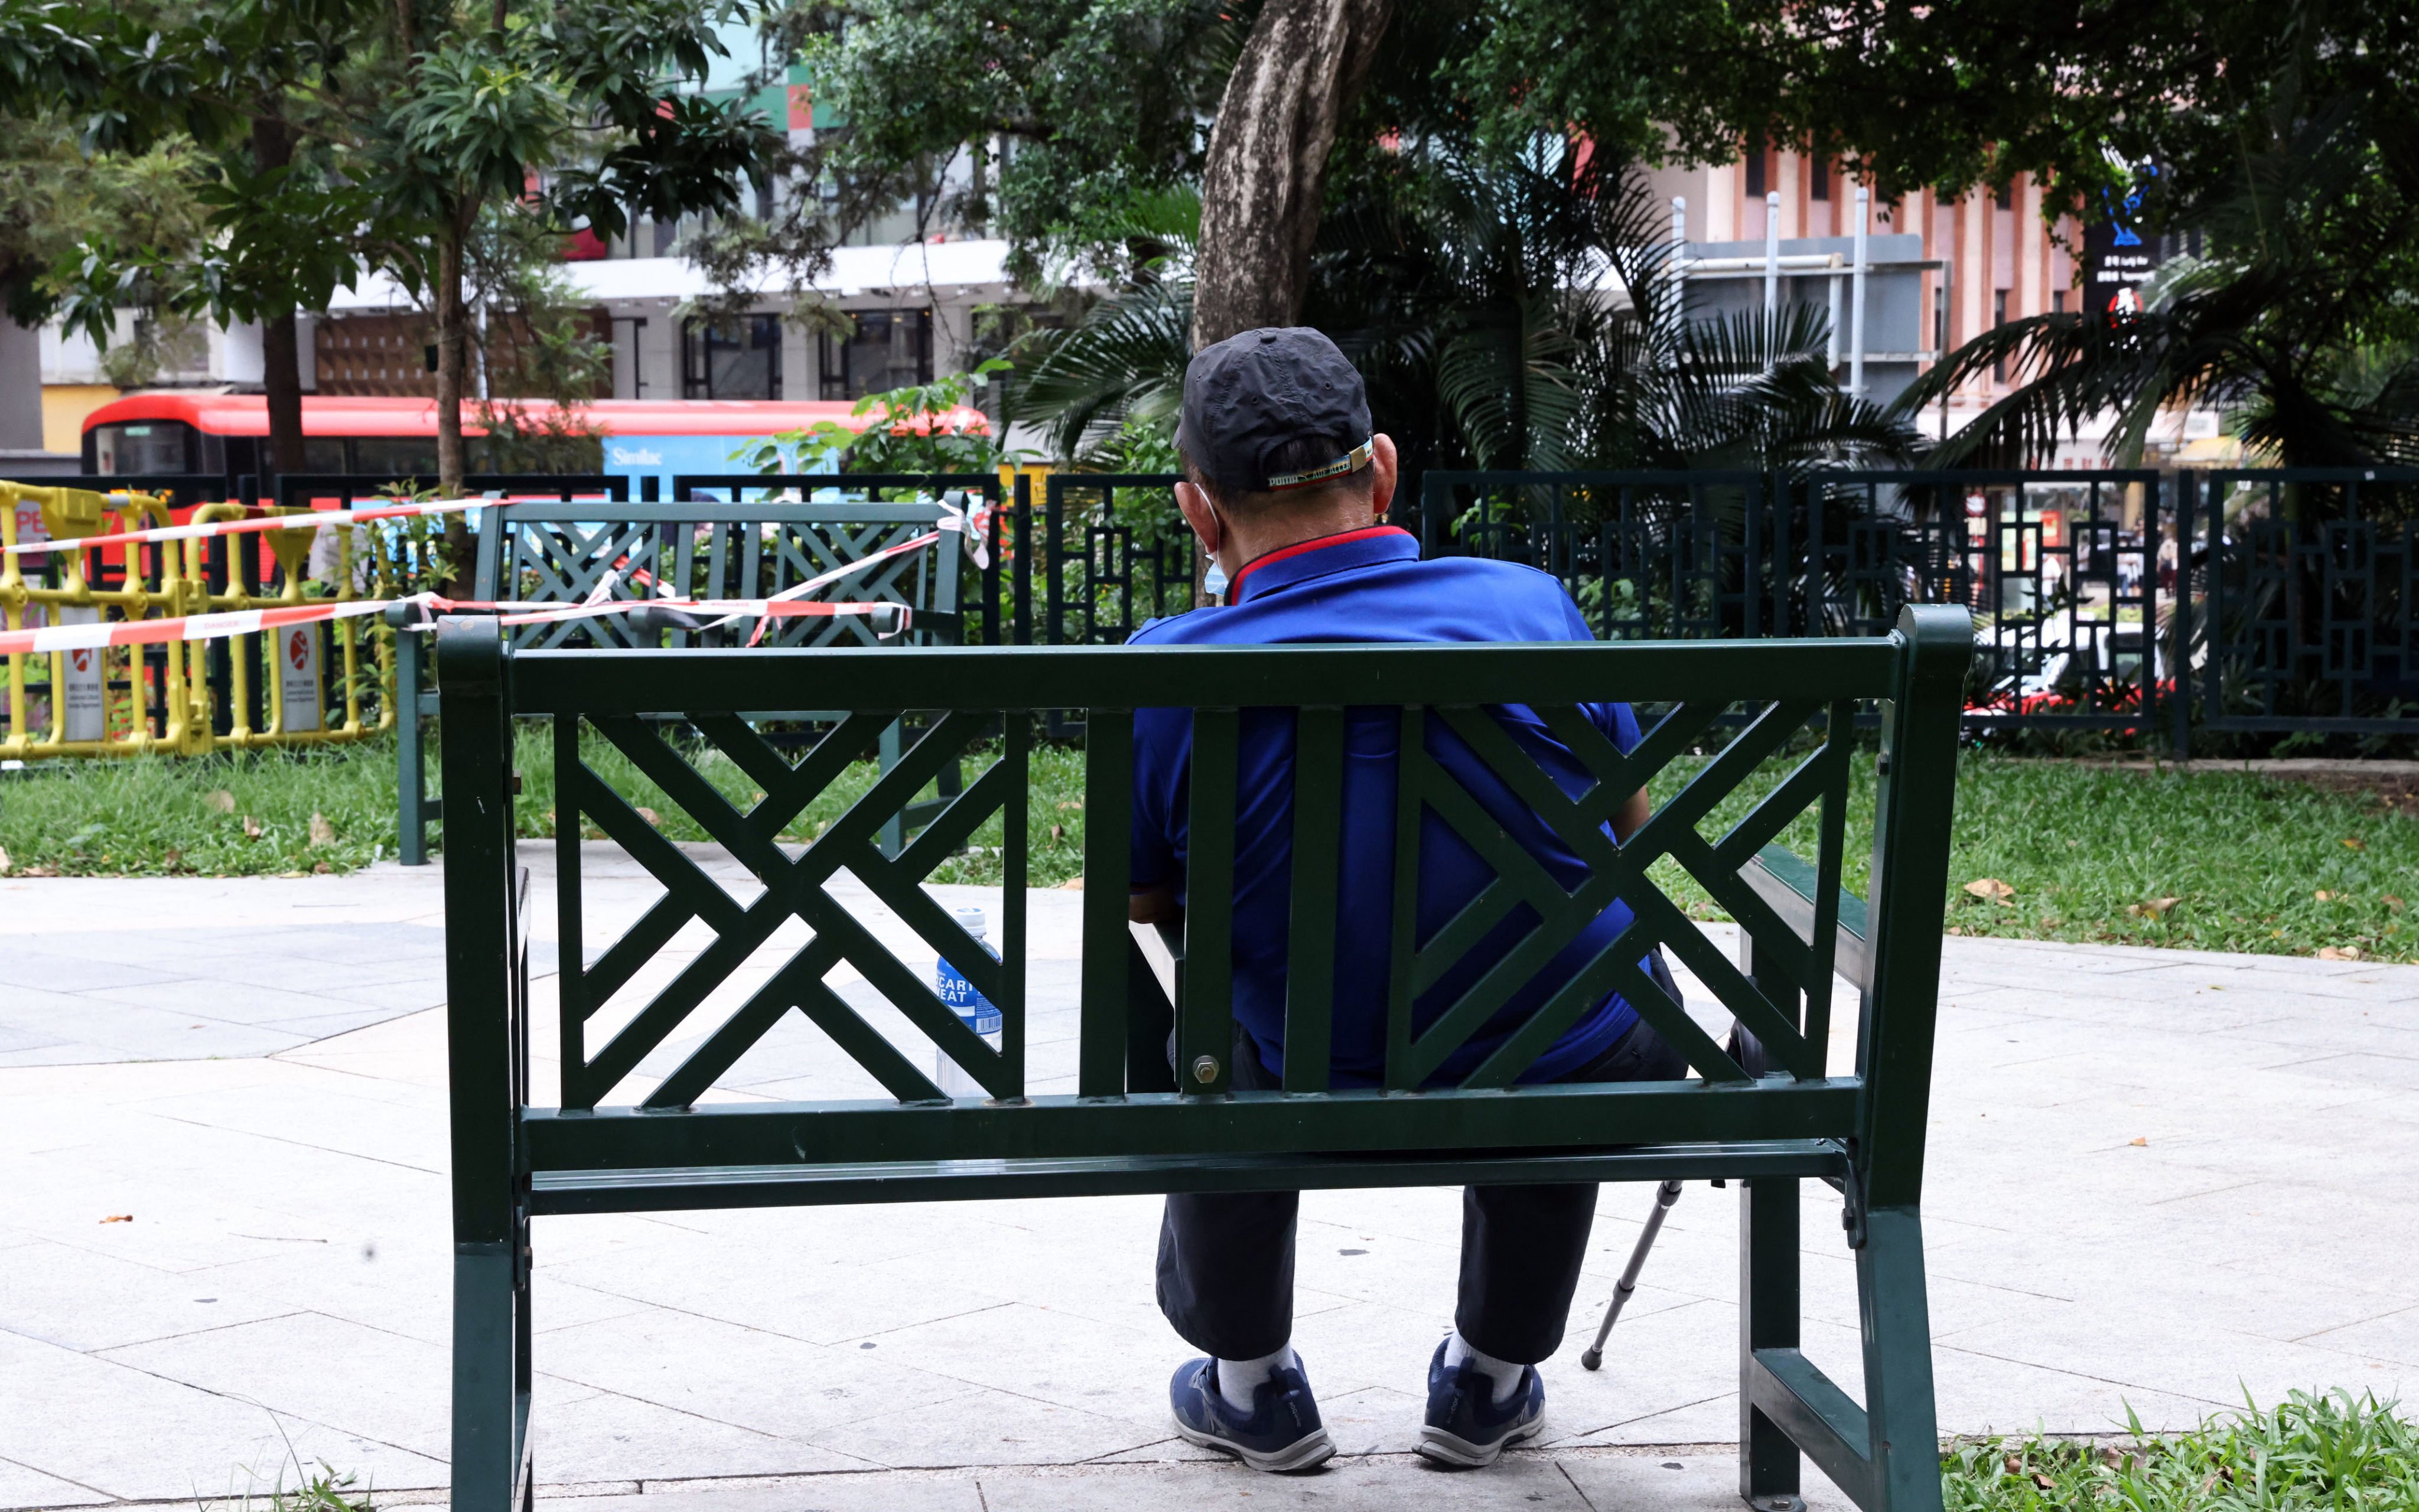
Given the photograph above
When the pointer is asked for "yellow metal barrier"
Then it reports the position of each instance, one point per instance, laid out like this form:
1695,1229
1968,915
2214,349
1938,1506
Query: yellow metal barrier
78,719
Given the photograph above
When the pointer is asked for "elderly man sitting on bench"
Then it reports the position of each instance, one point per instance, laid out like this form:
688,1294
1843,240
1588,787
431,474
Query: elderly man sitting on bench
1289,488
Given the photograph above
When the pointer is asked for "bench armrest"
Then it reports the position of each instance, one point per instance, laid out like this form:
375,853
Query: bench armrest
1786,880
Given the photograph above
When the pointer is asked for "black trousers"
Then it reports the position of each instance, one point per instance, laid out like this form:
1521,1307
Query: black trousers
1226,1259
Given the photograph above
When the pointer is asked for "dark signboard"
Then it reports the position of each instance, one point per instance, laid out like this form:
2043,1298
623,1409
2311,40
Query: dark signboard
2118,256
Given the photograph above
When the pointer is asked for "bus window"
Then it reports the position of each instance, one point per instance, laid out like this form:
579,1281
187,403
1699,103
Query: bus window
395,456
141,446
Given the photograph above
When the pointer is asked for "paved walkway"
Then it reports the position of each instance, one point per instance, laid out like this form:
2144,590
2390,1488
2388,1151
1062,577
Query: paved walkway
2157,1180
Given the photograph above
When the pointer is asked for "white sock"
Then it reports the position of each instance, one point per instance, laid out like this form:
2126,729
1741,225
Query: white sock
1238,1378
1502,1375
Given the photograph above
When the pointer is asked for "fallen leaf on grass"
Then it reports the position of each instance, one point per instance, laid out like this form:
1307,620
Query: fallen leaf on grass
2155,908
2324,896
323,868
2349,952
119,1218
2393,902
649,815
1057,831
756,797
1073,803
1072,885
251,827
322,832
2044,1481
1991,889
220,799
2138,1141
4,860
2354,843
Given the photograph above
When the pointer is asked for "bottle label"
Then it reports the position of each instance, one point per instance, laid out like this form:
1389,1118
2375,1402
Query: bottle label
971,1007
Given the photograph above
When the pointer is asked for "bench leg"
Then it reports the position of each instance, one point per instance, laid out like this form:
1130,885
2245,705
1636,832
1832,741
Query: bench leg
491,1379
1897,1316
1768,1318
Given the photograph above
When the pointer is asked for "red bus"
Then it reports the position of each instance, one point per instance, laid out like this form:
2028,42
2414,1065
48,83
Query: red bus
214,431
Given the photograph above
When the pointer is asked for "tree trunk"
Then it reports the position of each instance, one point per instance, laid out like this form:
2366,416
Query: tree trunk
280,365
1301,70
452,330
281,382
453,322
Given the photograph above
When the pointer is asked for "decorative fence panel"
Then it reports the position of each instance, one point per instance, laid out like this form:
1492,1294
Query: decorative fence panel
2312,576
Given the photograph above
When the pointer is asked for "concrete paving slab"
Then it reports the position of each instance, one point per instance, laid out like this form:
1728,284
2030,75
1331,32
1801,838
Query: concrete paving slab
108,1426
581,1437
85,1302
21,1486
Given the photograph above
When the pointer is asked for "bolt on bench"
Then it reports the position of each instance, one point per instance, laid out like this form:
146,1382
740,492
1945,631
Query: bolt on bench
1779,714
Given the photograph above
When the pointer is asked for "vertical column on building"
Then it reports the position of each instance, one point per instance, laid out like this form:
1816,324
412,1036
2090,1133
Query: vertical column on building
1974,265
1723,203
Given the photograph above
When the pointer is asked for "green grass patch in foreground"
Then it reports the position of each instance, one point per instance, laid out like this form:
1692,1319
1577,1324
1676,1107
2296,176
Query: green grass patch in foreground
2213,860
2333,1452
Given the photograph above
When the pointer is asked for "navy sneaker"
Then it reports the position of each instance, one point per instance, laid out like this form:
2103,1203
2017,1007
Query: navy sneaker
1465,1426
1283,1433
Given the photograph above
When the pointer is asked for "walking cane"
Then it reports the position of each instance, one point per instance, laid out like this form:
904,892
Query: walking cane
1665,1195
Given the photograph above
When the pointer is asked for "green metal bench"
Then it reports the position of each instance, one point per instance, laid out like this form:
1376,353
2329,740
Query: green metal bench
545,553
1778,713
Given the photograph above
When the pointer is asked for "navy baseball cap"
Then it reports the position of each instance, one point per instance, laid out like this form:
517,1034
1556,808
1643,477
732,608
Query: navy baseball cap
1250,395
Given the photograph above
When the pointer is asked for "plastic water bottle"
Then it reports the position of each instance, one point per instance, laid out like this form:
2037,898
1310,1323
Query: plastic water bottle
973,1009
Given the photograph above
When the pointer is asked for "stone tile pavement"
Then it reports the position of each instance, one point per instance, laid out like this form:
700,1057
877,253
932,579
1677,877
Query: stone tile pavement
2158,1180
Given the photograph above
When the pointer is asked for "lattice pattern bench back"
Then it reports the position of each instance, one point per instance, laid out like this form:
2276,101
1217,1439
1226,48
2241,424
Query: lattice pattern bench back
1775,714
566,553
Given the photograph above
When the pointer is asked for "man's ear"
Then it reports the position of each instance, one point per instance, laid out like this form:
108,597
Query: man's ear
1384,468
1200,516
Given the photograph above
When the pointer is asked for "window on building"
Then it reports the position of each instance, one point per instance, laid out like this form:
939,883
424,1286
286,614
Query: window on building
732,358
1756,173
890,349
1999,318
1822,179
2057,301
1940,317
2006,197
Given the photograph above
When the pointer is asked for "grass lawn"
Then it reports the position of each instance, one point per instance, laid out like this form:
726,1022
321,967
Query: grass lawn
2311,1452
2213,860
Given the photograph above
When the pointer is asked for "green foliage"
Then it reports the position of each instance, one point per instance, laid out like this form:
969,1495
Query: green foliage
155,817
2312,1452
1098,99
909,429
2213,860
1508,310
2299,316
52,199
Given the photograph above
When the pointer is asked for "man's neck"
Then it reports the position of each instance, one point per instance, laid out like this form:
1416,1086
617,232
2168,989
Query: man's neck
1247,542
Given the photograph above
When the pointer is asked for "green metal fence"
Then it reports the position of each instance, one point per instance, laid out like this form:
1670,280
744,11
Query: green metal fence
1774,716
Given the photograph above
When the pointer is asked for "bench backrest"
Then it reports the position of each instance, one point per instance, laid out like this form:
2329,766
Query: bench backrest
1779,715
562,553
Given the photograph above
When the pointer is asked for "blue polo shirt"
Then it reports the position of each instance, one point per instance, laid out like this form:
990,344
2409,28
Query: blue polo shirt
1370,585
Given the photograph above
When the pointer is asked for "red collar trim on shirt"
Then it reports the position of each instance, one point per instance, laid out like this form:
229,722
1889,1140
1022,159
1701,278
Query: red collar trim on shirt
1235,586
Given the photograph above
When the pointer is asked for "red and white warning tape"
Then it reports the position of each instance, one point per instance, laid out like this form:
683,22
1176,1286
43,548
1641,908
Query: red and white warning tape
255,621
310,521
